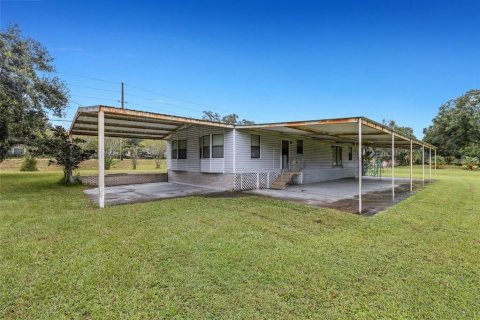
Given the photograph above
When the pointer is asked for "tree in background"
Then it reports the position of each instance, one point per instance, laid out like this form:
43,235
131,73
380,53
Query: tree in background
27,91
228,119
112,149
134,146
157,149
406,131
66,152
457,126
401,155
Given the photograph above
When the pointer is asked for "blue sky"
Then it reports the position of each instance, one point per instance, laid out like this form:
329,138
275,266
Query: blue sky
264,60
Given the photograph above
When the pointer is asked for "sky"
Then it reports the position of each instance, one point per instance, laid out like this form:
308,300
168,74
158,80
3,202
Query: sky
267,61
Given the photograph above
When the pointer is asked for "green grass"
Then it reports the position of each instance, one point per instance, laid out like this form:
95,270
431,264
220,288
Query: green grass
88,167
244,257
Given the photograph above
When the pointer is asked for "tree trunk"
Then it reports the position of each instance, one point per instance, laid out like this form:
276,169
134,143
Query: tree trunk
68,176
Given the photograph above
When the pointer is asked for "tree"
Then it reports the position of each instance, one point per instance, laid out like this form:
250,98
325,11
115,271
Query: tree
407,131
228,119
112,148
456,126
66,152
135,146
211,116
27,91
157,149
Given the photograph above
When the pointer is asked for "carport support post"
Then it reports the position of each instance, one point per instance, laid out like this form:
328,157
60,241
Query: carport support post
430,162
423,165
101,159
411,165
435,168
393,166
360,167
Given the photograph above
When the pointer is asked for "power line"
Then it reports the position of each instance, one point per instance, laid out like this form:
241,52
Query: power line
163,102
86,77
93,88
97,98
175,98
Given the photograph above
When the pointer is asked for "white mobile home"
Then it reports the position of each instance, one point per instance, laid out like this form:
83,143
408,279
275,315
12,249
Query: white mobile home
247,158
242,157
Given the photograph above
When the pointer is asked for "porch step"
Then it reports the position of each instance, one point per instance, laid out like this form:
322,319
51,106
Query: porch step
284,179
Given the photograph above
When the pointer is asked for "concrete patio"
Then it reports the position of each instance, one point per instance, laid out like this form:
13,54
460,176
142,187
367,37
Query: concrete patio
134,193
343,194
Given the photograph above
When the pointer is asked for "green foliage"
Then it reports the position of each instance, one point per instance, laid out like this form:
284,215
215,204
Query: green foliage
456,126
407,131
27,92
228,119
471,150
135,147
29,163
66,152
470,163
441,162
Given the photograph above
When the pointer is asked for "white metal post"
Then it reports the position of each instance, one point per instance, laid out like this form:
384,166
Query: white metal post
423,165
393,166
435,163
411,165
360,167
101,159
430,163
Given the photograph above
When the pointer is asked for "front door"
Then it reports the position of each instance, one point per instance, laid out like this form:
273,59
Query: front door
285,154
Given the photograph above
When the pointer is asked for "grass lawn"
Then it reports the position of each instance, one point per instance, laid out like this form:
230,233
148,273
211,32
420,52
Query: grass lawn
243,257
88,167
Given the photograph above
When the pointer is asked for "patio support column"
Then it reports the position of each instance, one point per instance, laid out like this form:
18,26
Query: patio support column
393,166
411,165
435,168
360,167
423,165
101,159
430,162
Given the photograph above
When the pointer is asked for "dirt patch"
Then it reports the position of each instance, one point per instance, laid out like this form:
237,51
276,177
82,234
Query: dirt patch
374,202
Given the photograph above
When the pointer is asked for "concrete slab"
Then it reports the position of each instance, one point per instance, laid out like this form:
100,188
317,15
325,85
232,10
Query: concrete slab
134,193
343,193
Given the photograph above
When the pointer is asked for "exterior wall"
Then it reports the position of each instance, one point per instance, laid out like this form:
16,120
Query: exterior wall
121,179
237,170
315,162
213,172
194,163
220,181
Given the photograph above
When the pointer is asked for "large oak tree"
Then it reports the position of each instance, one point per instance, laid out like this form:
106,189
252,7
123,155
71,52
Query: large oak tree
457,125
28,90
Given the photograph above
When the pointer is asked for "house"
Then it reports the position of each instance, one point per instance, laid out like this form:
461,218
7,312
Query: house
242,157
256,156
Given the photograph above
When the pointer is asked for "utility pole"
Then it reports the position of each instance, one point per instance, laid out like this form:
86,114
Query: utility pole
123,100
123,107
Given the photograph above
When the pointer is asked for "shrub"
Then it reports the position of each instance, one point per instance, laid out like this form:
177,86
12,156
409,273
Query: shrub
441,162
29,164
470,163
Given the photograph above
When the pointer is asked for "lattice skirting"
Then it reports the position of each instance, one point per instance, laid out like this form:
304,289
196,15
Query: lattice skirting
254,180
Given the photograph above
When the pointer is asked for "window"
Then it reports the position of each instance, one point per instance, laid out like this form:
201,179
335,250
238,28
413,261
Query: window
182,149
179,149
337,156
255,146
206,146
174,149
299,146
350,153
217,145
